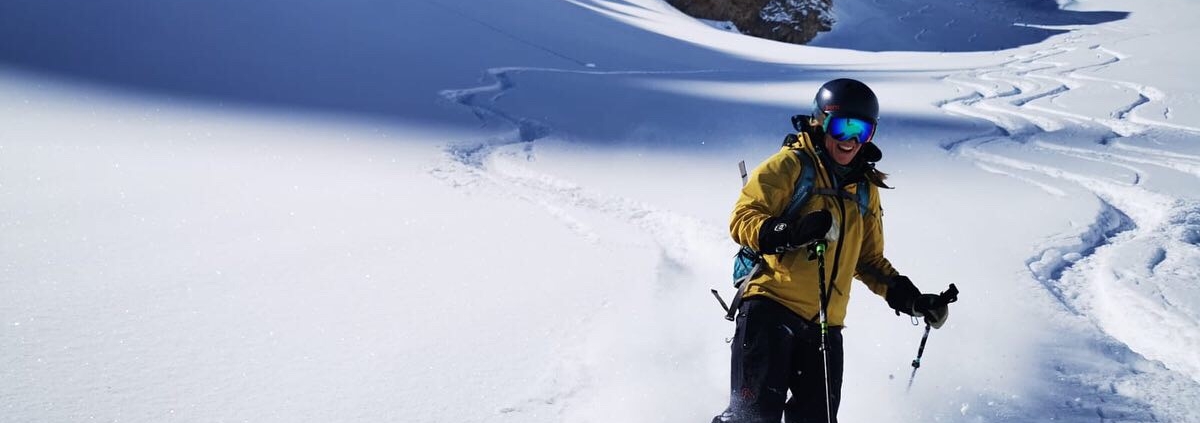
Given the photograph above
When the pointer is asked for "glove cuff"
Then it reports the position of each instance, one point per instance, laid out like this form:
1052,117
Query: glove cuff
902,294
774,235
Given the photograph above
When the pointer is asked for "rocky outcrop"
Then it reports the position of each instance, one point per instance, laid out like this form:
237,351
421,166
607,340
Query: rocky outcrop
791,21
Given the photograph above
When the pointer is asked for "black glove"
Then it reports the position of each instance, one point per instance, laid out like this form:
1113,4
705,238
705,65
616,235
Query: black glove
777,236
933,308
902,294
904,297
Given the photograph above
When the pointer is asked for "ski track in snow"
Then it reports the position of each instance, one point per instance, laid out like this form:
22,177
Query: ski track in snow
1140,251
498,162
499,165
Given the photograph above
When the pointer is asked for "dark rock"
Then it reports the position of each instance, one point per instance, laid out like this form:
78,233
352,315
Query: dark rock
790,21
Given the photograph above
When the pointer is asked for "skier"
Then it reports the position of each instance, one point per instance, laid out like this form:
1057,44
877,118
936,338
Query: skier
777,345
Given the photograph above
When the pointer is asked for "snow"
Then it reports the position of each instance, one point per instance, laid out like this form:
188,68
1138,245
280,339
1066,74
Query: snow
514,210
959,26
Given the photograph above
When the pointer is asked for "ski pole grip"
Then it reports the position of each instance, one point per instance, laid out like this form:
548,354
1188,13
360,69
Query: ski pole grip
949,295
816,249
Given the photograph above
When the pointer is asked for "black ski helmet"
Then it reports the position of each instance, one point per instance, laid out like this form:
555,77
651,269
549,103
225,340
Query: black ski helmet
846,97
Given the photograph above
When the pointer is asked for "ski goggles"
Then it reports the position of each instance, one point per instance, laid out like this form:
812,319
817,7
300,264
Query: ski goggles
844,128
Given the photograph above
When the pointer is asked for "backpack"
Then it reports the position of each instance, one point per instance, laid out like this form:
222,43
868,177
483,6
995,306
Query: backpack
748,263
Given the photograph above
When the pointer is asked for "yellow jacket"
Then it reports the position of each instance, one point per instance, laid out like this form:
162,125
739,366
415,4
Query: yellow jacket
791,279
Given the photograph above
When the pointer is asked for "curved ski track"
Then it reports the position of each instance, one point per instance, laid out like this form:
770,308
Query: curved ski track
499,164
1089,273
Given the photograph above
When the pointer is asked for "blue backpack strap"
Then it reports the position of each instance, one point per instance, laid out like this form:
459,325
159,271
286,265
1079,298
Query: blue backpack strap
864,197
804,184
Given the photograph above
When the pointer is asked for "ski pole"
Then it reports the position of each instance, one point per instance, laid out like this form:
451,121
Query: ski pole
916,364
946,297
816,251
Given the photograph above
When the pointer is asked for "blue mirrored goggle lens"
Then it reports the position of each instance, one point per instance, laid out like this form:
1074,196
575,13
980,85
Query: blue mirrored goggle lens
849,128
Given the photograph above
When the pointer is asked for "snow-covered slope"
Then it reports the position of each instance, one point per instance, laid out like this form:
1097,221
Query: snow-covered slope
445,210
958,26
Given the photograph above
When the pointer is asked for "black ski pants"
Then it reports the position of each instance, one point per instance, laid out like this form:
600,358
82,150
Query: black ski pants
774,351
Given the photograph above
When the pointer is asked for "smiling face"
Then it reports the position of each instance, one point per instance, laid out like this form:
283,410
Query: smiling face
841,152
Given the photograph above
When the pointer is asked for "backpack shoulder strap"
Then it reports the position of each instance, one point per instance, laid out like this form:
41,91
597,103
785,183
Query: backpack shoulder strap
864,197
804,183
